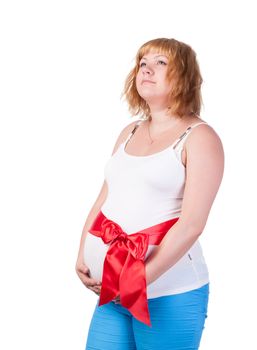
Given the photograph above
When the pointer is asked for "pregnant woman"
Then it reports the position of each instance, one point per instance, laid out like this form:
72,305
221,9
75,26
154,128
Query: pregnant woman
139,249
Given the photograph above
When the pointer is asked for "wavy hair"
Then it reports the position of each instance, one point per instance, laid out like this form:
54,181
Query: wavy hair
183,71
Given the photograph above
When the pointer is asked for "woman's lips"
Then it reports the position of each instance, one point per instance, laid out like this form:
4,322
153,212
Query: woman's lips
148,81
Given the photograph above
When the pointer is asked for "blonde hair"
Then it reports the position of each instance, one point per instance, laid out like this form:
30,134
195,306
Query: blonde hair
183,71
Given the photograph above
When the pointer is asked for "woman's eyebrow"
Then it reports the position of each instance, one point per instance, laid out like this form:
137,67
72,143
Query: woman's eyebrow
154,57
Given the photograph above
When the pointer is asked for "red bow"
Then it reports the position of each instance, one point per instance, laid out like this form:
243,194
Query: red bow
124,268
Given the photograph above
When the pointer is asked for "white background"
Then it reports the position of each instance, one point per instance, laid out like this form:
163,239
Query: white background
63,66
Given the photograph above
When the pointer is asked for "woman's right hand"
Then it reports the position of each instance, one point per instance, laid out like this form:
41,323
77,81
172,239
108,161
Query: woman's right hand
84,274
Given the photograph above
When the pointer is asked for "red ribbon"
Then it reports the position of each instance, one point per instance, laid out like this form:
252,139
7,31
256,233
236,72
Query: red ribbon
124,268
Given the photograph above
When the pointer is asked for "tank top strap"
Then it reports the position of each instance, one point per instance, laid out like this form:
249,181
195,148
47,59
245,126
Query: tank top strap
133,131
181,139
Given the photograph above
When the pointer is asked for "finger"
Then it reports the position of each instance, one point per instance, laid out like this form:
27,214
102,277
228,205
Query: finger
84,273
88,281
91,281
94,290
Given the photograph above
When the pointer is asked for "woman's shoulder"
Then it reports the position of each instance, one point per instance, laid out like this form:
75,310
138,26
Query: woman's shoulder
203,137
196,128
201,128
125,132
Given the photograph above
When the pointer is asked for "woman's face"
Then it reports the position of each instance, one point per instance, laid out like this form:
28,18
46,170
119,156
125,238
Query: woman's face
153,67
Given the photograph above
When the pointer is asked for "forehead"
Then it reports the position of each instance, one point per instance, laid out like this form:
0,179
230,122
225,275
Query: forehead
153,55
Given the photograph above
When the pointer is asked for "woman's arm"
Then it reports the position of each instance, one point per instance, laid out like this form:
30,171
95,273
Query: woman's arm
204,172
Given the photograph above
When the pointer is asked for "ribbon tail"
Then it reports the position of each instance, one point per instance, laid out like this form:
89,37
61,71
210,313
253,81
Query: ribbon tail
110,283
133,294
112,267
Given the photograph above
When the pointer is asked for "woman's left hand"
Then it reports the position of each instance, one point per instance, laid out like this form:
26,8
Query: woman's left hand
97,288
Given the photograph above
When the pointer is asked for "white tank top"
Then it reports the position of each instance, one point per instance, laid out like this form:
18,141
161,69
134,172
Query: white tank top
144,191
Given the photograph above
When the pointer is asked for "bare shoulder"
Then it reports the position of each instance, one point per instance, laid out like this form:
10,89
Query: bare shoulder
124,134
203,136
204,146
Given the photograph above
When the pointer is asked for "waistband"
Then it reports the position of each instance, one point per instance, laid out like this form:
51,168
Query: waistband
124,268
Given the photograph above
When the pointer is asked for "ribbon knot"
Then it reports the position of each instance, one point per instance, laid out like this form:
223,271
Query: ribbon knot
135,244
122,236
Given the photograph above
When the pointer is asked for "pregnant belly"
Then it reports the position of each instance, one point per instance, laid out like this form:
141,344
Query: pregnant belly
94,254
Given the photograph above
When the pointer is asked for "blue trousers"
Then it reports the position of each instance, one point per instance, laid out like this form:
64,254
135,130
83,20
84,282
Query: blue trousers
177,324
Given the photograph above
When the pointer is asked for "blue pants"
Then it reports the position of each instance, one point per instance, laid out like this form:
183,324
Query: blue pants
177,324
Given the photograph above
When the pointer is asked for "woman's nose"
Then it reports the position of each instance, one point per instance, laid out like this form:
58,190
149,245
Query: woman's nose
147,69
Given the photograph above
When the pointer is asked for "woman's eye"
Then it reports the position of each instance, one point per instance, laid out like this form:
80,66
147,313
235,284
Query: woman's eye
163,63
